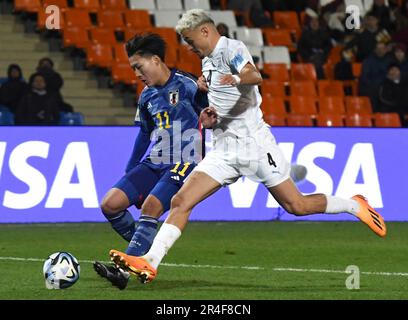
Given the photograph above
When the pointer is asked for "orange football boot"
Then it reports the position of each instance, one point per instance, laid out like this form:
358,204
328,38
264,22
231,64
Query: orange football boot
134,265
370,217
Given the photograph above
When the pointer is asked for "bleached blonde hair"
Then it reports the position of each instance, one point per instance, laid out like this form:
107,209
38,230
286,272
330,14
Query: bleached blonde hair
192,19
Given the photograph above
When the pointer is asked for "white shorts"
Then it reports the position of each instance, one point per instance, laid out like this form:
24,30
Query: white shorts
258,157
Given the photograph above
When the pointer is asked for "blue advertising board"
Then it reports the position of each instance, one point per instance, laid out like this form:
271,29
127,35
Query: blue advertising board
60,174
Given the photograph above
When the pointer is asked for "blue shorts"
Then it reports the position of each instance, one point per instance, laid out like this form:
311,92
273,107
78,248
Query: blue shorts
162,181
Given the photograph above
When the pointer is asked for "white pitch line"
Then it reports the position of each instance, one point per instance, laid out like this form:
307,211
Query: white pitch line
207,266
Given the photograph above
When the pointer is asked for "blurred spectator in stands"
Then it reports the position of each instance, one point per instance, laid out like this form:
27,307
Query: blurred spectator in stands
243,5
13,88
365,41
38,106
223,29
343,70
259,17
373,72
383,14
52,78
314,46
393,93
284,5
401,21
400,59
335,16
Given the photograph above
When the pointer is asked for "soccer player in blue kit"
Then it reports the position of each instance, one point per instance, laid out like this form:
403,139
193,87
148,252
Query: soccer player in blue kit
169,106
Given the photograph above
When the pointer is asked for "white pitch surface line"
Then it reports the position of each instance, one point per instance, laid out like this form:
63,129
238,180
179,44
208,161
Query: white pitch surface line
207,266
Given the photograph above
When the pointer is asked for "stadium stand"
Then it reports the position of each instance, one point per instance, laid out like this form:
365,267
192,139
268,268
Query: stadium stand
93,31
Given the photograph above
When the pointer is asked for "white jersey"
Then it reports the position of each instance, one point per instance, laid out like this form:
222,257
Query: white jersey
238,107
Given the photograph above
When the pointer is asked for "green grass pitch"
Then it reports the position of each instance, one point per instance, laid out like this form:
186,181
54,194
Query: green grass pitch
218,260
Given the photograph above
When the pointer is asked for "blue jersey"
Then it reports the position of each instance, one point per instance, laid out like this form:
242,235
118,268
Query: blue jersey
170,111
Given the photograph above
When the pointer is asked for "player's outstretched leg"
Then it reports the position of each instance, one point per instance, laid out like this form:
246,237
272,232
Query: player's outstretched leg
370,217
134,265
119,278
295,203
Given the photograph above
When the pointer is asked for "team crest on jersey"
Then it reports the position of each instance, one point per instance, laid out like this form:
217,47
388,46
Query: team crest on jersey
174,97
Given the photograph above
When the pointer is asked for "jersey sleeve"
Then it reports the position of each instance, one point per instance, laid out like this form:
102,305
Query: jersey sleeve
239,56
200,101
142,142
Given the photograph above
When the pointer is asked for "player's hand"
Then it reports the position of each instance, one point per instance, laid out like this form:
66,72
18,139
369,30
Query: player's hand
208,117
228,79
202,84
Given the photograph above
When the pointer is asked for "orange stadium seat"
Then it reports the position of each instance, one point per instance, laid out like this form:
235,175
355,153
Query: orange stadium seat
358,120
303,88
360,105
287,20
333,88
168,34
276,71
113,4
123,73
75,37
273,105
103,35
299,120
275,120
185,54
391,119
77,18
187,66
303,105
335,54
303,71
42,18
120,53
137,19
331,105
273,88
328,69
110,19
99,55
89,5
279,37
131,32
356,69
61,4
31,6
329,120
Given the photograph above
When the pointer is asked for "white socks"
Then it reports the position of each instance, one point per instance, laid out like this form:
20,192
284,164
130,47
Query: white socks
164,240
337,205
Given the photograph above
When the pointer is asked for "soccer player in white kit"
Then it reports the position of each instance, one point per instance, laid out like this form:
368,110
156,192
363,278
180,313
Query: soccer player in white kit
242,146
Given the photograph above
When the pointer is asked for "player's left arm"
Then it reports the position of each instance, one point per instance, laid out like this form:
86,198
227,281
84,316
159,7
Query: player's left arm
243,70
249,75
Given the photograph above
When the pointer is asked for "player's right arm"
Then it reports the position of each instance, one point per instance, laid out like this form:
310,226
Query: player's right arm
142,141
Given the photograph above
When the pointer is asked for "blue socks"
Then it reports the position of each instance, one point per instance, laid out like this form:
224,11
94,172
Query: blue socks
143,236
123,223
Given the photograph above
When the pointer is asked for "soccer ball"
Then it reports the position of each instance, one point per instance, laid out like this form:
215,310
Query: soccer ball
61,270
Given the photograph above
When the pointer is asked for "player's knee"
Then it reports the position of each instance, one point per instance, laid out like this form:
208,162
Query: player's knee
296,208
109,206
152,209
178,203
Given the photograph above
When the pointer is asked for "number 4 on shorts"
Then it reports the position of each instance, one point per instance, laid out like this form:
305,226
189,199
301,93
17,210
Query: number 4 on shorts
270,160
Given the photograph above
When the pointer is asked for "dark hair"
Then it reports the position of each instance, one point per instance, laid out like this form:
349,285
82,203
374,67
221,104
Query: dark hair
393,65
148,44
46,59
33,76
16,67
